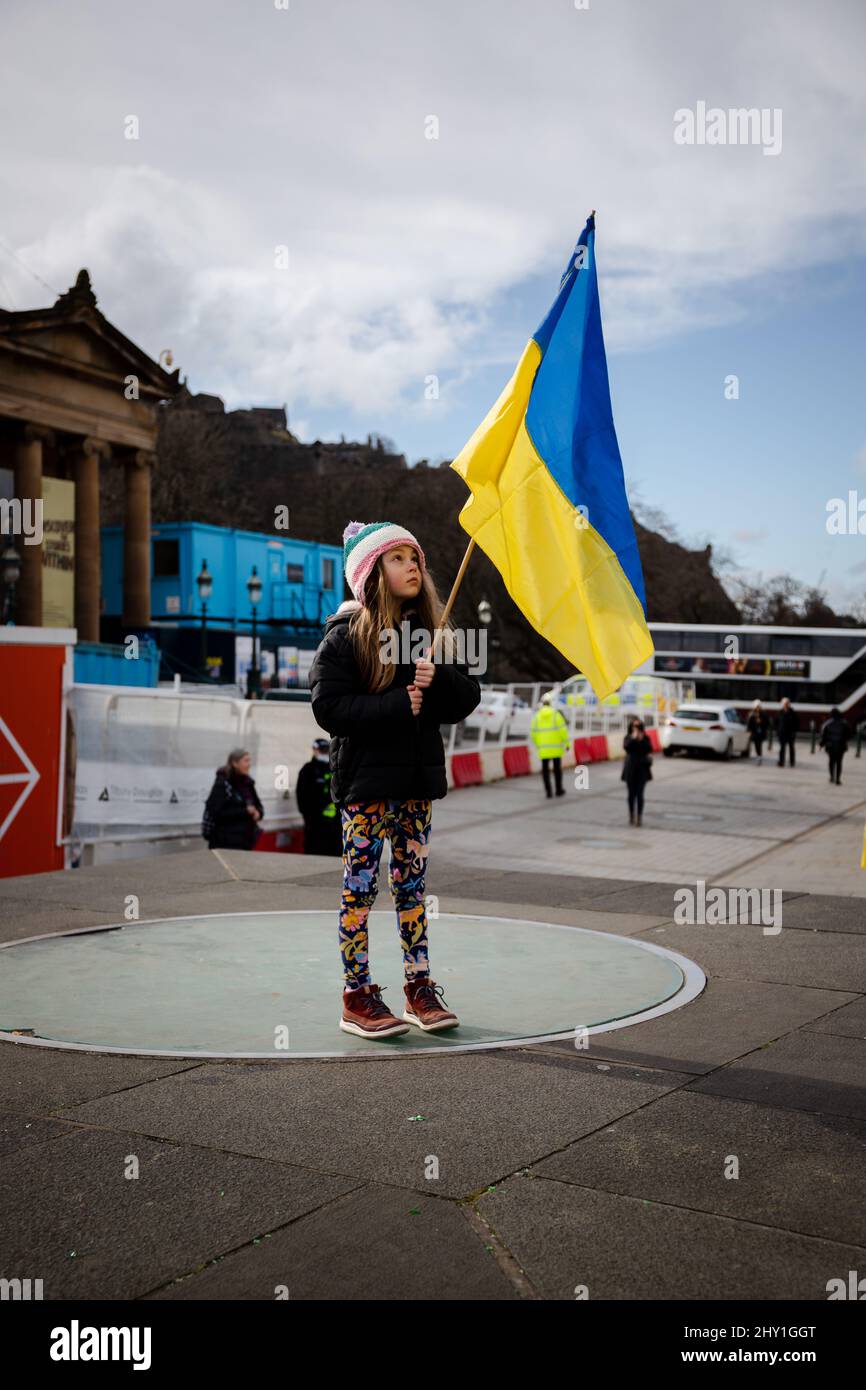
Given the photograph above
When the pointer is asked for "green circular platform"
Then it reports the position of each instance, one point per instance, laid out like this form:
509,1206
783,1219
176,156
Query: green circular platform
244,984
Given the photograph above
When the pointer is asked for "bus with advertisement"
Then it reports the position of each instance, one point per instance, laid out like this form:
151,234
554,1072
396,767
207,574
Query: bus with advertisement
816,668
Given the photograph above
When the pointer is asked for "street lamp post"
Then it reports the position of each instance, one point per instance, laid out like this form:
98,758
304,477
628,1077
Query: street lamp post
254,589
485,616
10,561
204,580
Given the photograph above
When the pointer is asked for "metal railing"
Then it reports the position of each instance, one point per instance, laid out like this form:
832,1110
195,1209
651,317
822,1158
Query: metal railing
511,725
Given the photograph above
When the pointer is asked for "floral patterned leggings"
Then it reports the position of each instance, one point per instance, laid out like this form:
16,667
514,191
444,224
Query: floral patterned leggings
365,827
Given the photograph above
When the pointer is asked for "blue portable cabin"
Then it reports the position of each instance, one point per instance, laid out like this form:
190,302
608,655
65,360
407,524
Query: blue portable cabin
302,582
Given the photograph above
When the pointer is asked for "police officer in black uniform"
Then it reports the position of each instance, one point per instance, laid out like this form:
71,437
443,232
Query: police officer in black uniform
323,832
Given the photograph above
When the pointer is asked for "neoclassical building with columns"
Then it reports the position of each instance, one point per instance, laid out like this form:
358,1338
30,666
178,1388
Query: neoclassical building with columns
77,397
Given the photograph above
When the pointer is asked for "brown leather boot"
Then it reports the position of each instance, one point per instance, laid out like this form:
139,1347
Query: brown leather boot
423,1007
366,1014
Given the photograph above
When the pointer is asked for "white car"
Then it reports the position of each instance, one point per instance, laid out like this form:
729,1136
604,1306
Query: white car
710,725
494,710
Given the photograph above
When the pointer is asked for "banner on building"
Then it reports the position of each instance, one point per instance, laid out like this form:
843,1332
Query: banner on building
58,553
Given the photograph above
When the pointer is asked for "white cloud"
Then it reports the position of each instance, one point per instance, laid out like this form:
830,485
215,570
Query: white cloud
261,127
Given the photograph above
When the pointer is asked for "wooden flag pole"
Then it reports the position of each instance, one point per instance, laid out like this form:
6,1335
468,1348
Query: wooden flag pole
446,611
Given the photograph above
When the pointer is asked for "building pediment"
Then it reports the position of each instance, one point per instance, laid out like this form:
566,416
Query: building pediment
74,336
69,369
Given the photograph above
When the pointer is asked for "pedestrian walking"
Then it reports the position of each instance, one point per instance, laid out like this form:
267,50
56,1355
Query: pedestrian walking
834,736
637,768
549,733
323,832
233,812
788,725
758,726
387,759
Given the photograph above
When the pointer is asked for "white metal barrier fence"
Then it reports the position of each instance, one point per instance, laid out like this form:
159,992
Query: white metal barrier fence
145,759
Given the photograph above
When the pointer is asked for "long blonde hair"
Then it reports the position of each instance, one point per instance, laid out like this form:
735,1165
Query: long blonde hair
384,612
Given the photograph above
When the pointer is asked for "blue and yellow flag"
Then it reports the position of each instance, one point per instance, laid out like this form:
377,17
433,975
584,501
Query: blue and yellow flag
548,502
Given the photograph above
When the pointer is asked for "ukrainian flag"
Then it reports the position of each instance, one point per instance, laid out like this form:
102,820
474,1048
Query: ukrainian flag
548,502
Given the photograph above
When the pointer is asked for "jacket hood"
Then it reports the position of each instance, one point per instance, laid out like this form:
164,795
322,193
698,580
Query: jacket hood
343,613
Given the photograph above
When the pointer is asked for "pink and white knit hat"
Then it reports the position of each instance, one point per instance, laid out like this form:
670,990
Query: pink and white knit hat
364,542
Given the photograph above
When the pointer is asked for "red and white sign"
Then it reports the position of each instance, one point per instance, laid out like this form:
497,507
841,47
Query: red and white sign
35,667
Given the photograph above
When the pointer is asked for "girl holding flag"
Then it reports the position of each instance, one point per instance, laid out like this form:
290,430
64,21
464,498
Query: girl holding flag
387,759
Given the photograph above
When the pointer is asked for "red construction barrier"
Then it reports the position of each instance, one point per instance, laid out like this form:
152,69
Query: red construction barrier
598,748
654,739
466,769
288,841
582,750
516,760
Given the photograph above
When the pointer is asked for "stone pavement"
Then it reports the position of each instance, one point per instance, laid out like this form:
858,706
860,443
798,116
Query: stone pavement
556,1167
734,822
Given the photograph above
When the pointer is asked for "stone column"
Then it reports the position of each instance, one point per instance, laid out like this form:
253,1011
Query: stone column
136,539
28,490
86,454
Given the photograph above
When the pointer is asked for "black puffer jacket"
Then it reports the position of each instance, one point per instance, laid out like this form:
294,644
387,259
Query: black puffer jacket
379,748
637,764
835,734
227,824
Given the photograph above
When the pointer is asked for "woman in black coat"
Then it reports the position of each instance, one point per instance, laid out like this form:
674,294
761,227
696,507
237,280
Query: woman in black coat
233,810
637,768
757,725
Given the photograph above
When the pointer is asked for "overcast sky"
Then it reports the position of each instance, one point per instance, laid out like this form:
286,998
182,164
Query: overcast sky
407,257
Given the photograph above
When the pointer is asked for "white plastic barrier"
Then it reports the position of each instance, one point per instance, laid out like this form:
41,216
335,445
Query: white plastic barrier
146,759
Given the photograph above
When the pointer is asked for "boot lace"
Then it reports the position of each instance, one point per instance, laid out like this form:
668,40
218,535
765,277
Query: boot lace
429,996
375,1004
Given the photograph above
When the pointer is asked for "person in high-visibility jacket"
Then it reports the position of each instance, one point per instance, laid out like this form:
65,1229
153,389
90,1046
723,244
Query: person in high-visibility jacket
549,733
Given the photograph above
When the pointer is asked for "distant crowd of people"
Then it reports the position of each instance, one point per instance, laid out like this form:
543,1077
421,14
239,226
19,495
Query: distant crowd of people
834,736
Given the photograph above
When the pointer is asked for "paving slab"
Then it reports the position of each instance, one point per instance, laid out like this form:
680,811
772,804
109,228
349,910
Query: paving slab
824,912
825,861
797,1171
89,1230
37,1080
727,1019
804,1071
18,1131
645,855
757,821
587,918
156,897
484,1114
847,1022
552,889
741,951
566,1237
659,897
278,868
375,1243
184,867
19,921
